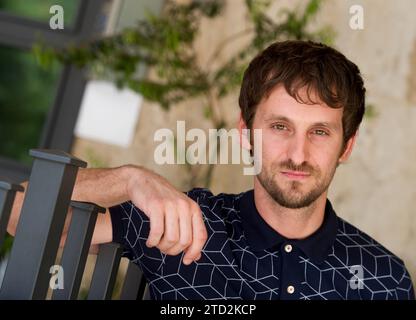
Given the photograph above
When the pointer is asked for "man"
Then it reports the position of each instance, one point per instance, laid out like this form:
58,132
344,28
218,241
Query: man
281,240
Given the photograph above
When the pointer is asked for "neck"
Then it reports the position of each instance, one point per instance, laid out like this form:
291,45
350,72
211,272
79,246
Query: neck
290,223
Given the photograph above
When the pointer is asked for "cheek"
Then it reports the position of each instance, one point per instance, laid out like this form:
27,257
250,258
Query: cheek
273,147
324,158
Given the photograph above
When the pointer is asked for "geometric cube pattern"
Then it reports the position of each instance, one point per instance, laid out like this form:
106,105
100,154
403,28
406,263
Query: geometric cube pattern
244,258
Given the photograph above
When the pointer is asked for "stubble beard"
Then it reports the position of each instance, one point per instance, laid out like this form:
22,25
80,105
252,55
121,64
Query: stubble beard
290,194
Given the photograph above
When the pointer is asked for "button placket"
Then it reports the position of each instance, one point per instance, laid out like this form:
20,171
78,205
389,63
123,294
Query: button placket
290,289
290,279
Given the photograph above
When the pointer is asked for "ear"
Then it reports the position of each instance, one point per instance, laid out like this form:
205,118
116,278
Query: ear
348,148
244,134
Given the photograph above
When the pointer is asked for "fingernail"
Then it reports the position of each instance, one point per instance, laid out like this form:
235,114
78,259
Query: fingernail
186,261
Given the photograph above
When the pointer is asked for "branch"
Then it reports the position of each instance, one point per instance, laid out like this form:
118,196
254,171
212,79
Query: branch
226,42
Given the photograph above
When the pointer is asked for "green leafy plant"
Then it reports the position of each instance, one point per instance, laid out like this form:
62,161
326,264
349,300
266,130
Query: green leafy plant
166,44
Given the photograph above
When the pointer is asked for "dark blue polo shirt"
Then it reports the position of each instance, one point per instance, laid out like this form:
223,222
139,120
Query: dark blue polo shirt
244,258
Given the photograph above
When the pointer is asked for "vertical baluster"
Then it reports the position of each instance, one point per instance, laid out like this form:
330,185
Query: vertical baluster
40,225
74,257
105,271
134,283
146,294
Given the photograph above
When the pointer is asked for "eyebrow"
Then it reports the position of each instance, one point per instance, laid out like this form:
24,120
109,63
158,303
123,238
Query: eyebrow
329,125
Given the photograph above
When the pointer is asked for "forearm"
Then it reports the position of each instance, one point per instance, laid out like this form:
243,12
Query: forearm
104,187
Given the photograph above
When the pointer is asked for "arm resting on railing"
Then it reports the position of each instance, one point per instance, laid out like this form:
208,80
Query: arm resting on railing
166,207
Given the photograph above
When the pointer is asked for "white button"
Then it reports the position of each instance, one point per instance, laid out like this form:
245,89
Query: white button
288,248
290,289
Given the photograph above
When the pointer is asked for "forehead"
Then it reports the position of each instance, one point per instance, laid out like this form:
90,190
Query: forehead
280,104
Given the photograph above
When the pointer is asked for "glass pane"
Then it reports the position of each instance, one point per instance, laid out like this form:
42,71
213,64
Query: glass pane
39,9
26,94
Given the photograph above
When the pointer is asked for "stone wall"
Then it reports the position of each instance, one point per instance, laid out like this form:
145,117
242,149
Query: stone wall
376,189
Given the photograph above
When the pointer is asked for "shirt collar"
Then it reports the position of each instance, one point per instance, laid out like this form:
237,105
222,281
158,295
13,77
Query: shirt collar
261,236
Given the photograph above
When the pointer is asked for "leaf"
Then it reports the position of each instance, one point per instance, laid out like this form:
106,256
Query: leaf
44,56
312,8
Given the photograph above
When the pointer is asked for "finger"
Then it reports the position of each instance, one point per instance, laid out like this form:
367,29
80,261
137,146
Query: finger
199,237
156,227
185,230
187,249
171,234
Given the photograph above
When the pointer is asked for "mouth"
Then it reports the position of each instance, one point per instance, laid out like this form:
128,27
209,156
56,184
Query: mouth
295,175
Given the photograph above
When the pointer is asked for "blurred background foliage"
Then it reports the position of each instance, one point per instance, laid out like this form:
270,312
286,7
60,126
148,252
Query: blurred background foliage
26,94
27,91
166,43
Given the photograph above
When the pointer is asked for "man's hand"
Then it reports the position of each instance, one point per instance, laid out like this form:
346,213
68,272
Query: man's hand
176,222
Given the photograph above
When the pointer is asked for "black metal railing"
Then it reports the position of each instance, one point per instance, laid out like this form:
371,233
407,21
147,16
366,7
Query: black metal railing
36,242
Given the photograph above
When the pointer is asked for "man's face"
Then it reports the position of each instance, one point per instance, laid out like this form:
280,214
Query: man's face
301,148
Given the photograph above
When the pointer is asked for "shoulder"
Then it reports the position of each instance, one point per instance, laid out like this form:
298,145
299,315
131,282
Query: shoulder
382,270
351,237
205,196
209,203
222,205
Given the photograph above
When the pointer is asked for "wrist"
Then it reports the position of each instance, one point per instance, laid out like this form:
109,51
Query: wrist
132,175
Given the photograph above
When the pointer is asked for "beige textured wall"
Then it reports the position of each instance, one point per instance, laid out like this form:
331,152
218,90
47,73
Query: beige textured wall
376,189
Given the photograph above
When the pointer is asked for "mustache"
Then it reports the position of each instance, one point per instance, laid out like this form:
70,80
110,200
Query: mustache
291,166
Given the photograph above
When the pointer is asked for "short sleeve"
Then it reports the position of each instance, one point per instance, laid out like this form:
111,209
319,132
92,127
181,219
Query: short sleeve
116,214
131,229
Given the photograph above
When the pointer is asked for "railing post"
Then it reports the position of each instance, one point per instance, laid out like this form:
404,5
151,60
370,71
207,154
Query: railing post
77,244
146,294
105,271
134,283
7,194
40,225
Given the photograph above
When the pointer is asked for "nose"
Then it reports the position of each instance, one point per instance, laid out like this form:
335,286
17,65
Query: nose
298,149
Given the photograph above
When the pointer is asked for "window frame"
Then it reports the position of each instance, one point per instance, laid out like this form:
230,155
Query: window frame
22,33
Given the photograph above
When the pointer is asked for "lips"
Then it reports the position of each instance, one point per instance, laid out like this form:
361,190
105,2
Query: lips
297,175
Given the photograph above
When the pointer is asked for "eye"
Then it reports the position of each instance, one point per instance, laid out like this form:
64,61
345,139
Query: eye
279,126
320,132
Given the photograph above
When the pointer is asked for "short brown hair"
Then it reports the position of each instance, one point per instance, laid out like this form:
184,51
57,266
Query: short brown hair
315,66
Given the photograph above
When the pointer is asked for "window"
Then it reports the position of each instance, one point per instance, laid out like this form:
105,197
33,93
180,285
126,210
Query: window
26,94
38,10
39,108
